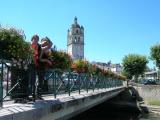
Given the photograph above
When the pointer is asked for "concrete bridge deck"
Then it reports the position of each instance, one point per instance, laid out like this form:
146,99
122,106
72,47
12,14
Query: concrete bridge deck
61,108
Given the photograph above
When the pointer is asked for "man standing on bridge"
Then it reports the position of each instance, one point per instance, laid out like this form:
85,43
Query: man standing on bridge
34,67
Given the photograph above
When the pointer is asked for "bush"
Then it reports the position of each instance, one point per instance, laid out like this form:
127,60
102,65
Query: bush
60,60
13,47
80,66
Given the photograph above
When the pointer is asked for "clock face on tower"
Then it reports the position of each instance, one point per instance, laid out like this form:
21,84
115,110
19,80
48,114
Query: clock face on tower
75,41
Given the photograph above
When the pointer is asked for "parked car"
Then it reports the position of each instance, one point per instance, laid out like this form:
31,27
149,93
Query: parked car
150,82
73,79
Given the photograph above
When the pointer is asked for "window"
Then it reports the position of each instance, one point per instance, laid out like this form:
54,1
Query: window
76,31
75,39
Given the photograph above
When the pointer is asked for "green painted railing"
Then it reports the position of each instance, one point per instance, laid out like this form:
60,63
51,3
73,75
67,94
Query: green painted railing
58,82
67,82
1,82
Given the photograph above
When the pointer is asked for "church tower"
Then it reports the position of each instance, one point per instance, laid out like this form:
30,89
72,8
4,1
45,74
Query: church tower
75,41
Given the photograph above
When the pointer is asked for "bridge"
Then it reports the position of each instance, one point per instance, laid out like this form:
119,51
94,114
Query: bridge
68,94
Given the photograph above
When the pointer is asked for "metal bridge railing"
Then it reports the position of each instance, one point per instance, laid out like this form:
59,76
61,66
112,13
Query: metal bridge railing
1,83
14,82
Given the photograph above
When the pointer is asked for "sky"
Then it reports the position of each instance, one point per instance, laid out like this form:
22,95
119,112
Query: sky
112,28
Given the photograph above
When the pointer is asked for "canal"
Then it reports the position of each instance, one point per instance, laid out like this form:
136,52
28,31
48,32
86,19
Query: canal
108,111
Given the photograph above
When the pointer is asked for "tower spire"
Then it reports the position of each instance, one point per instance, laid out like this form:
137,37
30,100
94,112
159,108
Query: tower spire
75,20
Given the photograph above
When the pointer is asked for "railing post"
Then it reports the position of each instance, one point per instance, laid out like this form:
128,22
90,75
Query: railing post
103,82
54,84
109,83
79,83
7,80
93,80
69,77
106,79
98,82
87,82
94,84
1,86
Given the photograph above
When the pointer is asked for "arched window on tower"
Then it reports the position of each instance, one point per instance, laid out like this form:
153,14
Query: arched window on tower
77,31
79,39
75,39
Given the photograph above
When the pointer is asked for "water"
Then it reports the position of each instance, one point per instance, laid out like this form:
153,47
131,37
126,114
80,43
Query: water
106,111
150,117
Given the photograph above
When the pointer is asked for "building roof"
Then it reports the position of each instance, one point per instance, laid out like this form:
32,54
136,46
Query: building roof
151,72
75,24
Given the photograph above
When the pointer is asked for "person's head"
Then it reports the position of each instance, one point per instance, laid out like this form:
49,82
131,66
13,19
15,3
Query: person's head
46,42
35,39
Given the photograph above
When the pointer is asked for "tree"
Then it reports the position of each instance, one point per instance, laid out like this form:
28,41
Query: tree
127,75
13,45
134,65
155,54
80,66
61,60
14,48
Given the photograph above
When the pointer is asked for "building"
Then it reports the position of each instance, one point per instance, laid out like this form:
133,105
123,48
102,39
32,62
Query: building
75,41
116,68
102,65
151,75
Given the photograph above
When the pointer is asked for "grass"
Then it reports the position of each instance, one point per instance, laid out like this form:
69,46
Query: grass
154,102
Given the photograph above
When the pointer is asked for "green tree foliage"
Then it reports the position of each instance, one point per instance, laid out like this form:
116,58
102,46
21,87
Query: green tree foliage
134,65
97,71
155,54
61,60
13,45
80,66
14,48
127,75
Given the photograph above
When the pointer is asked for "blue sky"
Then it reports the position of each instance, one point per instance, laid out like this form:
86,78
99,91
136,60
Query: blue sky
113,28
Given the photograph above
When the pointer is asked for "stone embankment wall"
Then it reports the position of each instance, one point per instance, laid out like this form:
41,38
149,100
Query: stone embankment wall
149,92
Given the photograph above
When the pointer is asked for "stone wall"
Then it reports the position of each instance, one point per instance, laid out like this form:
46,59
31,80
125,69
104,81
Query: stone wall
149,92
